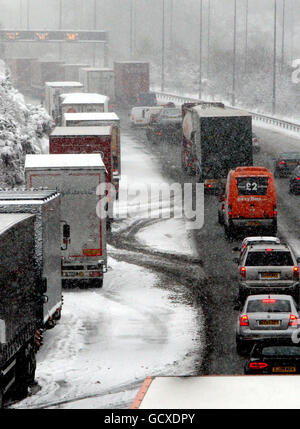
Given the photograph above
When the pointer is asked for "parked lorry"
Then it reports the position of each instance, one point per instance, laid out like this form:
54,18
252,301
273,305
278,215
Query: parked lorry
215,139
43,71
70,72
52,93
20,72
80,178
214,392
103,140
98,80
94,119
131,79
30,283
82,102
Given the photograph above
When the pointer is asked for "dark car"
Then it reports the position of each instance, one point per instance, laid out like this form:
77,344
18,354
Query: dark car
166,125
295,181
146,99
285,163
274,357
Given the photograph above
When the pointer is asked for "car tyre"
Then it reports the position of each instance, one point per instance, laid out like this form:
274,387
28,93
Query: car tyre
240,348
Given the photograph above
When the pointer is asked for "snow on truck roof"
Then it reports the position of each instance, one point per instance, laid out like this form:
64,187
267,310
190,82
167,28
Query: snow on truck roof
219,392
80,161
91,116
210,111
83,98
64,84
7,220
82,131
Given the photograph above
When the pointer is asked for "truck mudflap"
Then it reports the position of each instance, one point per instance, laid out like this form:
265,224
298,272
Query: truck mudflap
214,185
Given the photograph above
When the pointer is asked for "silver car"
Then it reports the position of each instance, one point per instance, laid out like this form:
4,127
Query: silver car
268,268
264,317
255,240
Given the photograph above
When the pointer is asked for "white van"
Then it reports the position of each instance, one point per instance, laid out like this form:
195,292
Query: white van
141,115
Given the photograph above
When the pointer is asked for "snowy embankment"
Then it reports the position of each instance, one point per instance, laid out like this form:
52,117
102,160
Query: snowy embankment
23,128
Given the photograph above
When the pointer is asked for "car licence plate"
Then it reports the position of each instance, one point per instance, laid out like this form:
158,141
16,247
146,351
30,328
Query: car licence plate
211,181
270,275
269,322
284,369
253,223
292,163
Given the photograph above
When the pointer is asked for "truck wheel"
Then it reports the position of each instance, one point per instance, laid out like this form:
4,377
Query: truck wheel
96,283
25,371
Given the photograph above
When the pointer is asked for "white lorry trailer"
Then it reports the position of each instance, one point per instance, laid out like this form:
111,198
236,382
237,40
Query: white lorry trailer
80,178
53,91
98,80
217,392
30,283
46,206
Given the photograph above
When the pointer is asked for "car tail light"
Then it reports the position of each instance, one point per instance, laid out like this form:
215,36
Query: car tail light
293,320
269,249
268,301
297,178
209,186
258,365
281,162
158,133
274,211
229,211
244,321
296,272
243,272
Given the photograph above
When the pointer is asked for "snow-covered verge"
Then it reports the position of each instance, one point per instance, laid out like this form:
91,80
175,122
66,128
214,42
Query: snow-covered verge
23,128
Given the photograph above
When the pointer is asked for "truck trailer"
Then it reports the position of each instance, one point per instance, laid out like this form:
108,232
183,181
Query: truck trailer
52,93
80,178
70,72
82,102
98,80
96,119
30,283
131,79
20,72
45,205
215,139
43,71
102,139
215,392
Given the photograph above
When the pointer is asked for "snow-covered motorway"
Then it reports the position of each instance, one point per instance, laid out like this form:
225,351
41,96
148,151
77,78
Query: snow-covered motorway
144,321
160,310
217,295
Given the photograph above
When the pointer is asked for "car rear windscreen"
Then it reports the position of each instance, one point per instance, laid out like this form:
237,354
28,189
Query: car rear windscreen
269,306
267,258
281,351
252,185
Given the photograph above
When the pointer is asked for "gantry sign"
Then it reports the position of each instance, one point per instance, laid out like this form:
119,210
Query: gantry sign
53,36
57,36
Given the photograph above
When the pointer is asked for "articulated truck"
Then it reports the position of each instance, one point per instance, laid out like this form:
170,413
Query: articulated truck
80,179
215,139
30,283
